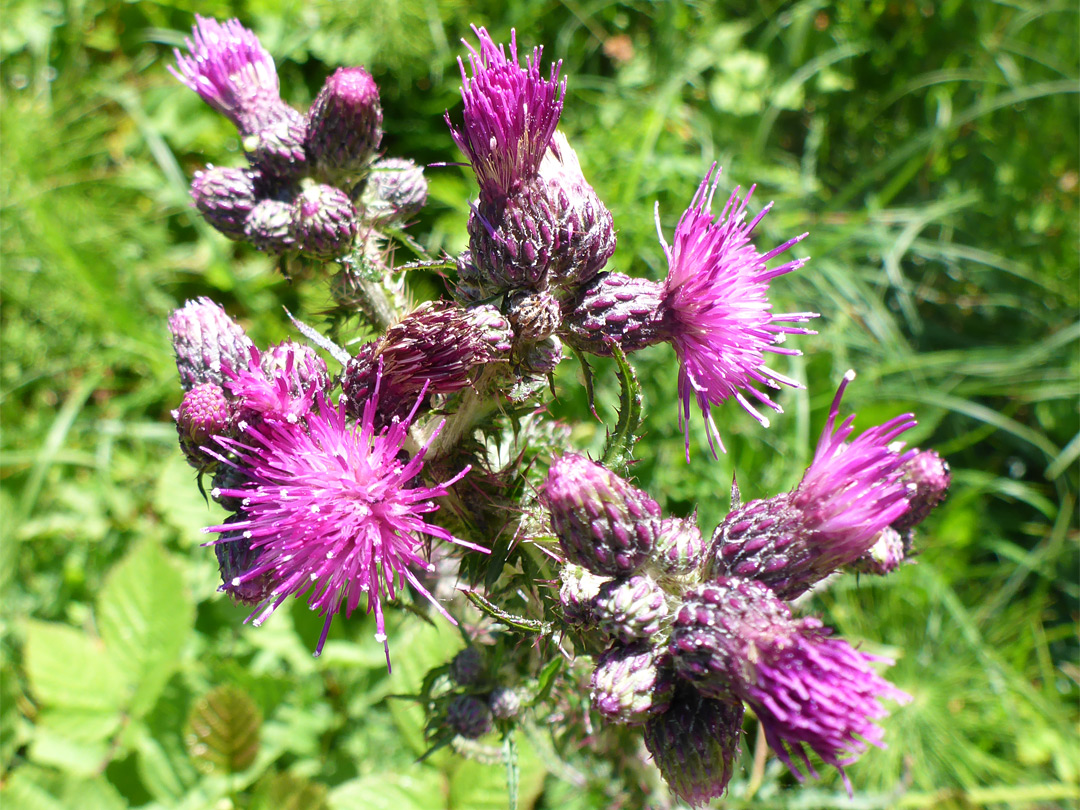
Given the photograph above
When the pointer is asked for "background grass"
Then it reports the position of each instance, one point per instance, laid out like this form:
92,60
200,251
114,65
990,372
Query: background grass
930,148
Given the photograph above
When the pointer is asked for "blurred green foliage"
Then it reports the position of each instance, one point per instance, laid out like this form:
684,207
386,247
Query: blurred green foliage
930,148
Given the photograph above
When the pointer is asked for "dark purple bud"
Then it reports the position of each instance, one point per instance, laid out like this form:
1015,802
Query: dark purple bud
236,558
269,226
505,702
694,744
228,479
324,222
614,307
679,548
808,690
203,414
396,191
632,684
467,667
631,609
224,197
299,365
277,148
468,716
603,522
926,477
436,349
206,342
885,555
578,593
585,231
534,315
345,124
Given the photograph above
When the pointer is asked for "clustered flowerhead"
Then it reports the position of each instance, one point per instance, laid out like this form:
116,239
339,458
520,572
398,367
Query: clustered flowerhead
339,501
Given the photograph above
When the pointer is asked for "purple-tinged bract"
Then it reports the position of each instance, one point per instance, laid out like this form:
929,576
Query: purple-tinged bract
469,716
632,684
324,222
336,512
224,197
203,413
614,308
927,477
885,555
269,226
849,494
207,343
510,114
232,72
345,124
717,311
396,190
694,744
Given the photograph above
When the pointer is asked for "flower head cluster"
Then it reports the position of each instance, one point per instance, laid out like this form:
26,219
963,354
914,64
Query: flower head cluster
334,512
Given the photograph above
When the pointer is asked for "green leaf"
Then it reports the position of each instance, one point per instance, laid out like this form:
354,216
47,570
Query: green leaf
478,785
223,731
145,617
420,788
284,791
68,668
620,443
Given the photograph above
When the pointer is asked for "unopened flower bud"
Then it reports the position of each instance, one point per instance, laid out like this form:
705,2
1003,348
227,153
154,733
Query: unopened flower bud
227,478
345,124
493,327
694,744
513,242
885,555
534,315
269,226
579,588
468,716
277,148
224,197
505,703
617,308
632,684
679,548
236,560
324,222
203,414
631,609
467,667
396,190
206,342
543,357
927,478
602,521
300,366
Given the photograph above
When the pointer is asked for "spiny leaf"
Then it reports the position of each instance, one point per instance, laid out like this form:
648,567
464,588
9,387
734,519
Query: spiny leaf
518,622
620,443
223,731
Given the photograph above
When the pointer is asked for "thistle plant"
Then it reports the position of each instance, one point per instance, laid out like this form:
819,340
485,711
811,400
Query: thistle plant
421,462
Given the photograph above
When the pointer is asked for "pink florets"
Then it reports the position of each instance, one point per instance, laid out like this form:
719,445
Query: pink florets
333,509
717,308
510,115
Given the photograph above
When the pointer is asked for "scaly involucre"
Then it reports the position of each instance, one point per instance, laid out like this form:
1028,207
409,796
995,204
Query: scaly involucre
717,308
332,508
510,115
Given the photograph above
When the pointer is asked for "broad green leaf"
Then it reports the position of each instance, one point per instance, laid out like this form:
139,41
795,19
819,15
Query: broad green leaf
22,790
284,791
93,794
421,787
223,731
145,616
74,756
478,785
68,668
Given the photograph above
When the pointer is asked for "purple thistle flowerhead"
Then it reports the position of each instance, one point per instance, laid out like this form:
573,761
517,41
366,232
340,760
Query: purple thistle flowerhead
469,716
232,72
679,549
927,477
849,494
435,349
717,311
694,744
345,124
885,555
324,223
269,226
533,315
336,511
632,684
207,343
809,691
300,365
510,114
630,609
603,522
225,197
203,413
277,395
